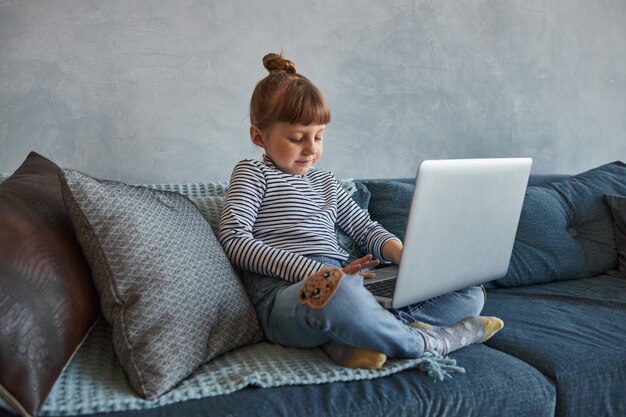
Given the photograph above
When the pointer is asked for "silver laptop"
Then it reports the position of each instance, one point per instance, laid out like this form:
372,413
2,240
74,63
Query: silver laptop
461,228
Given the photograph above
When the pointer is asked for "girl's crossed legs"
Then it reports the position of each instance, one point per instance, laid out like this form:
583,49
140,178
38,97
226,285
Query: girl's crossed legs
354,318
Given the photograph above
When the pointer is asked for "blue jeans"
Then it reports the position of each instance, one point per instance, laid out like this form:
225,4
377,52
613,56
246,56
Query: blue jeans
353,316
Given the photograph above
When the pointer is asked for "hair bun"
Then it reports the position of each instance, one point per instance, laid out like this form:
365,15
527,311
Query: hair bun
276,62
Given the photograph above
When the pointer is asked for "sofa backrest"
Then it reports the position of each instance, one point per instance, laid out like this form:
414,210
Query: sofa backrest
565,229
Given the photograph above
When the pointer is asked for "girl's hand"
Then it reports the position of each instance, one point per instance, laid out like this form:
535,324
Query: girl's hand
355,267
392,251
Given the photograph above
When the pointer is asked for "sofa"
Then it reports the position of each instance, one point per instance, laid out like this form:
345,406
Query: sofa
563,300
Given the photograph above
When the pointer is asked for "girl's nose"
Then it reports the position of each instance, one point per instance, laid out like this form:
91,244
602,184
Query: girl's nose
309,147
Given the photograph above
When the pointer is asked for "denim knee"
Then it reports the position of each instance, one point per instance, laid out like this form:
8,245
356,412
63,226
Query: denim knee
292,323
446,309
476,298
344,305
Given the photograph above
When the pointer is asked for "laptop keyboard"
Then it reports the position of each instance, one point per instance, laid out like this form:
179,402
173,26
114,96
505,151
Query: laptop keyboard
382,288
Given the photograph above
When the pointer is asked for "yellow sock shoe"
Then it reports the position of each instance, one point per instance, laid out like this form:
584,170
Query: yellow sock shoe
492,326
353,357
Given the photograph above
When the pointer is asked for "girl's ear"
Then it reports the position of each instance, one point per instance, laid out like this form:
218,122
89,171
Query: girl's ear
256,136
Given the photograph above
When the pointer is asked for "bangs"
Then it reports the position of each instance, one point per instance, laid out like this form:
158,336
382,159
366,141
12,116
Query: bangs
301,103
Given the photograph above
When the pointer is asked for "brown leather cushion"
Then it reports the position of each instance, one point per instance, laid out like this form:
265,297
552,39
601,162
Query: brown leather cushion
47,299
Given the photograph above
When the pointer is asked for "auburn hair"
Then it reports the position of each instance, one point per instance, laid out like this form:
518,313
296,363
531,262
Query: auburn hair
286,96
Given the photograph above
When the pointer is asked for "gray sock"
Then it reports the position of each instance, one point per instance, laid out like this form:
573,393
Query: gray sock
447,339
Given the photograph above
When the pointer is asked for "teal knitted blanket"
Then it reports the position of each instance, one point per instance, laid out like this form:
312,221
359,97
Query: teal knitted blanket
94,381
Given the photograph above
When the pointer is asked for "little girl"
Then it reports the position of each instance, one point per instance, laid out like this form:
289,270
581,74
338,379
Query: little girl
278,225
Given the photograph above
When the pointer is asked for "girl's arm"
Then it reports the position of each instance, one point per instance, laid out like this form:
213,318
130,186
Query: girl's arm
368,234
245,195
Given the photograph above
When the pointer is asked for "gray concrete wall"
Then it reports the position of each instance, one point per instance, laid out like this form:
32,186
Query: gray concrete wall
157,91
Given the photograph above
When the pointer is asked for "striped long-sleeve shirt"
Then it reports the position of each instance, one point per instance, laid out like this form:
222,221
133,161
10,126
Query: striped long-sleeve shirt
273,220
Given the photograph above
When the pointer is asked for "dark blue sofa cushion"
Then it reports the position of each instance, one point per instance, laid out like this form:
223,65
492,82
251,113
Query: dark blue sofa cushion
566,230
574,333
390,202
617,204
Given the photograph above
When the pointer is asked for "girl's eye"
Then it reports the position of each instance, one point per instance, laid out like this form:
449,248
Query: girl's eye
318,139
295,140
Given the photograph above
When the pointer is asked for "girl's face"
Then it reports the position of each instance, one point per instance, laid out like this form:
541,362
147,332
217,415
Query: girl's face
293,148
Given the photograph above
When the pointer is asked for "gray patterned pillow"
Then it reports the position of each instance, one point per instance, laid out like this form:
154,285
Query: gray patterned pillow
165,285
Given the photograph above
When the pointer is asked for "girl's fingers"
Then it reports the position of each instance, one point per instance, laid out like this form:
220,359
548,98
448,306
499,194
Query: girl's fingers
352,268
365,262
369,264
363,259
356,269
359,265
